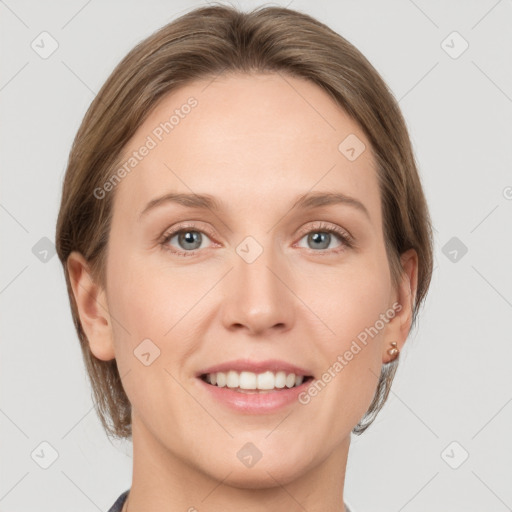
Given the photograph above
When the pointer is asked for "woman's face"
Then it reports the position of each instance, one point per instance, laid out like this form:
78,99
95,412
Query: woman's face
255,281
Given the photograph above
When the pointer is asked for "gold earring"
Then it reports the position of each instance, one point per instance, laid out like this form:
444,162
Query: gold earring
393,351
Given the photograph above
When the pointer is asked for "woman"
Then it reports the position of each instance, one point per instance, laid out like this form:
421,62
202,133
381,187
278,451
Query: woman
246,246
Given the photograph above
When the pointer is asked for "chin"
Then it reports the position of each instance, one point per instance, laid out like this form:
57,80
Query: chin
264,474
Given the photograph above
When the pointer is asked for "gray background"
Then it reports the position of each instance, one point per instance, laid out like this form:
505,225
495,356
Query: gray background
454,383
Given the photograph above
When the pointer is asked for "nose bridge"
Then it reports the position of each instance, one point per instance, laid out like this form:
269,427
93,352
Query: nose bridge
257,297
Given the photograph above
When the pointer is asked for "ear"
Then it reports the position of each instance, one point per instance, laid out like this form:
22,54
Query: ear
399,326
92,307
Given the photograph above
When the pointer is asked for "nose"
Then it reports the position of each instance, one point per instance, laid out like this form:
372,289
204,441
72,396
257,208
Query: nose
258,296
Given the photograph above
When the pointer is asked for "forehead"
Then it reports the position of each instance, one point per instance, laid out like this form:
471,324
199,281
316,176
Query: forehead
244,138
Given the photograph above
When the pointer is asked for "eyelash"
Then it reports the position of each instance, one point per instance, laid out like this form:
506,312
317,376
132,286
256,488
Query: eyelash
345,238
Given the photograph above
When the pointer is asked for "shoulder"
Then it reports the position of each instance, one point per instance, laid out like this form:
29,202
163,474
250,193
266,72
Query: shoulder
118,505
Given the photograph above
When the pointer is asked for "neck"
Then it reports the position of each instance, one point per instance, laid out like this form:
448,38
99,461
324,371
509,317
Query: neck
162,481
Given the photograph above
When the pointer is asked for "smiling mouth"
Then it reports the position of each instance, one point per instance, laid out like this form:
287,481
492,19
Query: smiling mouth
249,382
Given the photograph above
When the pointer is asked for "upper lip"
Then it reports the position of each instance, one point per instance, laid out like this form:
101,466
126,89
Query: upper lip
246,365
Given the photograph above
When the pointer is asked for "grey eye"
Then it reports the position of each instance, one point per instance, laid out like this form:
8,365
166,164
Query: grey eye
319,239
189,239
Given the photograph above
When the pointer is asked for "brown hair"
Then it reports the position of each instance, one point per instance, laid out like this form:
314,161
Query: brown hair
205,43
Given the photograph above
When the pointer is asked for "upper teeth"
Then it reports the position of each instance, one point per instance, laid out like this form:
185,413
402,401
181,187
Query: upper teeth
249,380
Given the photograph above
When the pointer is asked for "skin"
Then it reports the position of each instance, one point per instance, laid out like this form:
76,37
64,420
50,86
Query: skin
255,142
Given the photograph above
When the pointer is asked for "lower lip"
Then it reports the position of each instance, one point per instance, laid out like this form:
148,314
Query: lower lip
255,403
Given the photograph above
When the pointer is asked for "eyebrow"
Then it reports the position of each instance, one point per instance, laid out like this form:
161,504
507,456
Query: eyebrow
304,202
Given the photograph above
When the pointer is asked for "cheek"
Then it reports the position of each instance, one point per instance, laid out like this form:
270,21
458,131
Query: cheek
351,301
154,311
146,311
351,296
351,355
146,299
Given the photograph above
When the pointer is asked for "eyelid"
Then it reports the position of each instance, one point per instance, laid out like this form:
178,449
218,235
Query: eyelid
329,227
